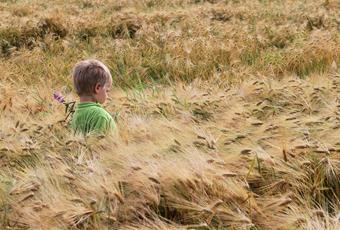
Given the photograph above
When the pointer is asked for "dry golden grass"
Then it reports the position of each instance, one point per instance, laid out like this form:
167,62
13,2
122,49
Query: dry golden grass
228,115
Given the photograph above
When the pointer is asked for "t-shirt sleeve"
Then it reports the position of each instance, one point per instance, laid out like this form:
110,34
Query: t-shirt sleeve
104,124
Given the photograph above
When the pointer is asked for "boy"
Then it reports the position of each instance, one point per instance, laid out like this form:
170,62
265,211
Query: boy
92,80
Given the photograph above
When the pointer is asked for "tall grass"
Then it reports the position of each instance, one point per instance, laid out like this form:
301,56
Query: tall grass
228,115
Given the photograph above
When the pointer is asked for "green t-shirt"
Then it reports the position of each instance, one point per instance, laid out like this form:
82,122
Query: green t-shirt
91,117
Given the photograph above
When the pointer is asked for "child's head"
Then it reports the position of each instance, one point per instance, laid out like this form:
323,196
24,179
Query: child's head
92,79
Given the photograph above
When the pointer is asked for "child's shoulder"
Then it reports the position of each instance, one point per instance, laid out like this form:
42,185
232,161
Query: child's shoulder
101,112
92,110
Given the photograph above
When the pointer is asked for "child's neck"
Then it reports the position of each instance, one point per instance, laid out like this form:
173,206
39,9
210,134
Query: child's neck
87,99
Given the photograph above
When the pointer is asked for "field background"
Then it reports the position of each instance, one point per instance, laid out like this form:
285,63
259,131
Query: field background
228,114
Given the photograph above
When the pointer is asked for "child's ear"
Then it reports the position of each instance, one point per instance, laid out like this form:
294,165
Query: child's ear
97,88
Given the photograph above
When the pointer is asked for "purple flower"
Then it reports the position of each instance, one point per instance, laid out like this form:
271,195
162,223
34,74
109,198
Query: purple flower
58,97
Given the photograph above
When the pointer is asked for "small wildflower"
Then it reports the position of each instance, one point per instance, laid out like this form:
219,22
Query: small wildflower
58,97
69,106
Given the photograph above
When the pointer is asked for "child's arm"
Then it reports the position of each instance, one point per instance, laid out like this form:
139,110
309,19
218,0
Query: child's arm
104,125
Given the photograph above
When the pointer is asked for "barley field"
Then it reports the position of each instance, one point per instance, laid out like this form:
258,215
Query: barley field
228,114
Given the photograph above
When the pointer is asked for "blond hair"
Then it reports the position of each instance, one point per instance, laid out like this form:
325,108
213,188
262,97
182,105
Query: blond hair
87,74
